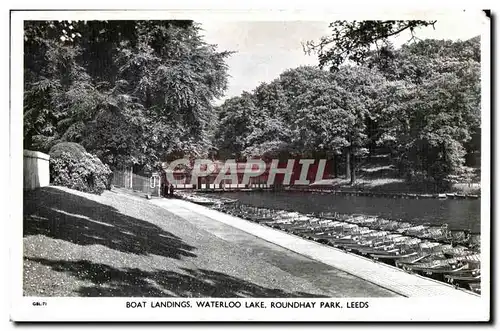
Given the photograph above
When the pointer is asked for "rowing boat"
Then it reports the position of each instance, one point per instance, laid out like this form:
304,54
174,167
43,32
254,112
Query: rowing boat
396,255
452,278
475,287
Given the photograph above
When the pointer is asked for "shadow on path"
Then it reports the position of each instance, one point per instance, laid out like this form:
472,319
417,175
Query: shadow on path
108,281
61,215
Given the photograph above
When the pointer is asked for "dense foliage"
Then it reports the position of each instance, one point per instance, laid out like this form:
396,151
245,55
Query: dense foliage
131,92
73,167
136,93
420,103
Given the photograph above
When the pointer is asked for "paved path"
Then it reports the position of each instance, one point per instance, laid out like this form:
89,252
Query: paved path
377,279
327,280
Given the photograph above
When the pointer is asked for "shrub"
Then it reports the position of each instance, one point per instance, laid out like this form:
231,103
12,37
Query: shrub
75,150
78,170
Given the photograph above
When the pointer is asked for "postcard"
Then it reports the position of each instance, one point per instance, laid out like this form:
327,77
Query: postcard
258,165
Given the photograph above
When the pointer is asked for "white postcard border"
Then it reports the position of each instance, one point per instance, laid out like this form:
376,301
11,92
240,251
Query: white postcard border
104,309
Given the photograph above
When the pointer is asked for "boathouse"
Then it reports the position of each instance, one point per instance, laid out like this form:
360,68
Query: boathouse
260,181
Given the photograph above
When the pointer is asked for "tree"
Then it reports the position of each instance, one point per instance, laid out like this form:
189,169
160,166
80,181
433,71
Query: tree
59,94
421,60
306,111
272,135
361,102
254,123
439,123
131,92
432,113
315,116
237,119
167,79
353,40
421,103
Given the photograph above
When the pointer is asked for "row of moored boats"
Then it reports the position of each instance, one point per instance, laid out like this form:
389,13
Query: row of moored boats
203,199
433,251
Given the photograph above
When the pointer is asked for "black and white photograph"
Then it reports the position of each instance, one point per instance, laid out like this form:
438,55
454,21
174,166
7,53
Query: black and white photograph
250,166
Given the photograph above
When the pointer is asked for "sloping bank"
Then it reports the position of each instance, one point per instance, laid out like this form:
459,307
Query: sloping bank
78,244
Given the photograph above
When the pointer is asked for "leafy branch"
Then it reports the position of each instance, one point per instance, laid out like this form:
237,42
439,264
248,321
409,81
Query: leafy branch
353,40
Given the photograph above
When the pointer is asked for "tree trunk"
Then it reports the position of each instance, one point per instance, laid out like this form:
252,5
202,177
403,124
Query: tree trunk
348,164
353,169
131,183
335,158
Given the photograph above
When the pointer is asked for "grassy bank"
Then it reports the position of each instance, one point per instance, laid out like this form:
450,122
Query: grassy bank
379,175
395,185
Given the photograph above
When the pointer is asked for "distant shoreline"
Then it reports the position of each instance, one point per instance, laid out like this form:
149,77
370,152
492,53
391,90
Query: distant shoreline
401,195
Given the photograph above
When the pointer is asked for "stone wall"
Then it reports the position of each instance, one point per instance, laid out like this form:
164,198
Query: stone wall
36,171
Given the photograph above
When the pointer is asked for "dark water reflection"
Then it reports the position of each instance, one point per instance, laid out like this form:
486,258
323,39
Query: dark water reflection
459,214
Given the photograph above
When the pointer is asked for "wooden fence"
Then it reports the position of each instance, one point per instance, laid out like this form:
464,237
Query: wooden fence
127,179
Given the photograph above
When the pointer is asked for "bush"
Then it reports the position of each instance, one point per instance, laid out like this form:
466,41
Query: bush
75,150
78,170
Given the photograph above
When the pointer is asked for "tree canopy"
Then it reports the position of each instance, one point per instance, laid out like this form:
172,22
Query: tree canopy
354,40
420,103
131,92
141,92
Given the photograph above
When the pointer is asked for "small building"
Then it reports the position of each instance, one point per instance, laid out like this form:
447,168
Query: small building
260,181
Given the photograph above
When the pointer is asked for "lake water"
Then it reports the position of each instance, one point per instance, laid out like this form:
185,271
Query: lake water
459,214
